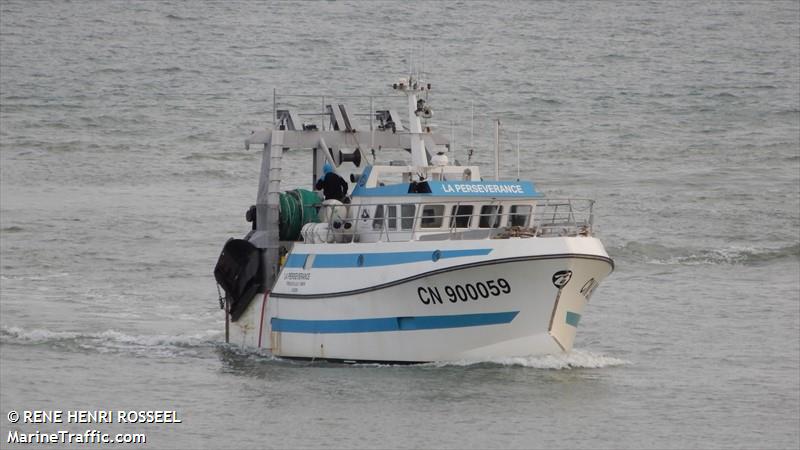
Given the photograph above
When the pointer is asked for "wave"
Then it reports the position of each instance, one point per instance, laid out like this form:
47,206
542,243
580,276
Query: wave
228,156
112,341
659,254
615,57
545,101
110,70
577,359
205,174
248,359
34,277
180,18
12,229
172,69
787,112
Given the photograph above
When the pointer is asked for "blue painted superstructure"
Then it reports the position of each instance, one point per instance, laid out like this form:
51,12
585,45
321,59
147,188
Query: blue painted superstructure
484,188
491,189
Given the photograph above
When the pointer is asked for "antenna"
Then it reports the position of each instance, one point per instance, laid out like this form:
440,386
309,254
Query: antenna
422,64
472,126
471,133
517,154
497,150
452,137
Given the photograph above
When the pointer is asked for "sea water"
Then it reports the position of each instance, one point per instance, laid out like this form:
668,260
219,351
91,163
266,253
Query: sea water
123,172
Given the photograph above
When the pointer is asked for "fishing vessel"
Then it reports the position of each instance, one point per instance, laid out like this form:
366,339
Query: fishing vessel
417,259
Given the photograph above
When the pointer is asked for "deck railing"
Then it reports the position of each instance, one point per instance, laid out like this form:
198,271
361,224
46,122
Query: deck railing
541,218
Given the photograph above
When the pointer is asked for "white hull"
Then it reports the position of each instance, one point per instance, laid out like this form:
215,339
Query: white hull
426,301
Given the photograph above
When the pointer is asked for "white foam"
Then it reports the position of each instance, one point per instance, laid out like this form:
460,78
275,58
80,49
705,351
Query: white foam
170,345
36,336
112,340
577,359
658,254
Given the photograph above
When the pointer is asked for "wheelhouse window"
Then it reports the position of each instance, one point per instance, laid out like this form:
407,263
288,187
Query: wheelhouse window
519,215
377,220
407,216
392,214
490,216
388,214
432,216
460,216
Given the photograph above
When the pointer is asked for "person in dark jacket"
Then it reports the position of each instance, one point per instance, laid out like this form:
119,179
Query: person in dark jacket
332,185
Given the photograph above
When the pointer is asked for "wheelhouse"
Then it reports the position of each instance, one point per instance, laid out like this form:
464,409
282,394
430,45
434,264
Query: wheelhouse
454,205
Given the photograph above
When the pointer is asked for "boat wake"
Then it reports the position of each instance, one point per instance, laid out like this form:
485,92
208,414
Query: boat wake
659,254
577,359
112,341
199,344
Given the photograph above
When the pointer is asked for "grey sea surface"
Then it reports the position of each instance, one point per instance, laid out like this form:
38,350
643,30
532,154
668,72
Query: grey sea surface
123,172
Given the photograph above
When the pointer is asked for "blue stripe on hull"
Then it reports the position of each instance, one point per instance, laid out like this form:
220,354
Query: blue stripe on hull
296,260
345,260
391,323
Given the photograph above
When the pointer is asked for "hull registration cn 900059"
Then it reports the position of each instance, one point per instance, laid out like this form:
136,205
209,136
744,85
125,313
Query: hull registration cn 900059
417,261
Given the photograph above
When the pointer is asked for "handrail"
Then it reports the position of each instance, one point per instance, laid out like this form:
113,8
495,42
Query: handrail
546,218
